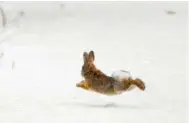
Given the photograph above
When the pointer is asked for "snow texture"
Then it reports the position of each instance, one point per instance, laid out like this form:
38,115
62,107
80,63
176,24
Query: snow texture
41,58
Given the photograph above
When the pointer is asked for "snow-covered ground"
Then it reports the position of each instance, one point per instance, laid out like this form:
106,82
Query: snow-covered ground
41,59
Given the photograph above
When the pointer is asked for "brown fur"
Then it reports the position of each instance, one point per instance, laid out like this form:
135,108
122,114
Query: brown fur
96,80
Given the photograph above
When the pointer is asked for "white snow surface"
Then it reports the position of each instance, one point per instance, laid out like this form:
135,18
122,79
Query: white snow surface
42,59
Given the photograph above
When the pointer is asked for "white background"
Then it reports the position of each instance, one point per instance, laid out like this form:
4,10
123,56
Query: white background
42,58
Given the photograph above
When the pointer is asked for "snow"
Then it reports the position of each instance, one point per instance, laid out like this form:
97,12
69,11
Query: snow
42,59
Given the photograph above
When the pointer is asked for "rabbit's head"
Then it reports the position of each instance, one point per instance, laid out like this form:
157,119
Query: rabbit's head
88,65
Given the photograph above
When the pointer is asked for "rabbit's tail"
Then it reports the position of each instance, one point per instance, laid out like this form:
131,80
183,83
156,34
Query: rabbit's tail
139,83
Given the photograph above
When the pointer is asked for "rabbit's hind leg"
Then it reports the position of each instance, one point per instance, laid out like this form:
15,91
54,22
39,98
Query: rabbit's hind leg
139,83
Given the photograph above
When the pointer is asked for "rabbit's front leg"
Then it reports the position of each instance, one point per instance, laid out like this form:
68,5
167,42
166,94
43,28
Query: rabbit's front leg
83,84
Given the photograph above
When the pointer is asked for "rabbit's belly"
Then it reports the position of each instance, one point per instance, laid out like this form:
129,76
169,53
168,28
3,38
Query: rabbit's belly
104,89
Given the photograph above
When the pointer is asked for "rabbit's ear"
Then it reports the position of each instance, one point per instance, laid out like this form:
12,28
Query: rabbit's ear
85,56
91,56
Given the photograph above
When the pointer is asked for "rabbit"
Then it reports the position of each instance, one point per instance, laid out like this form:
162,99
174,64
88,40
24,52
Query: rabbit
97,81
